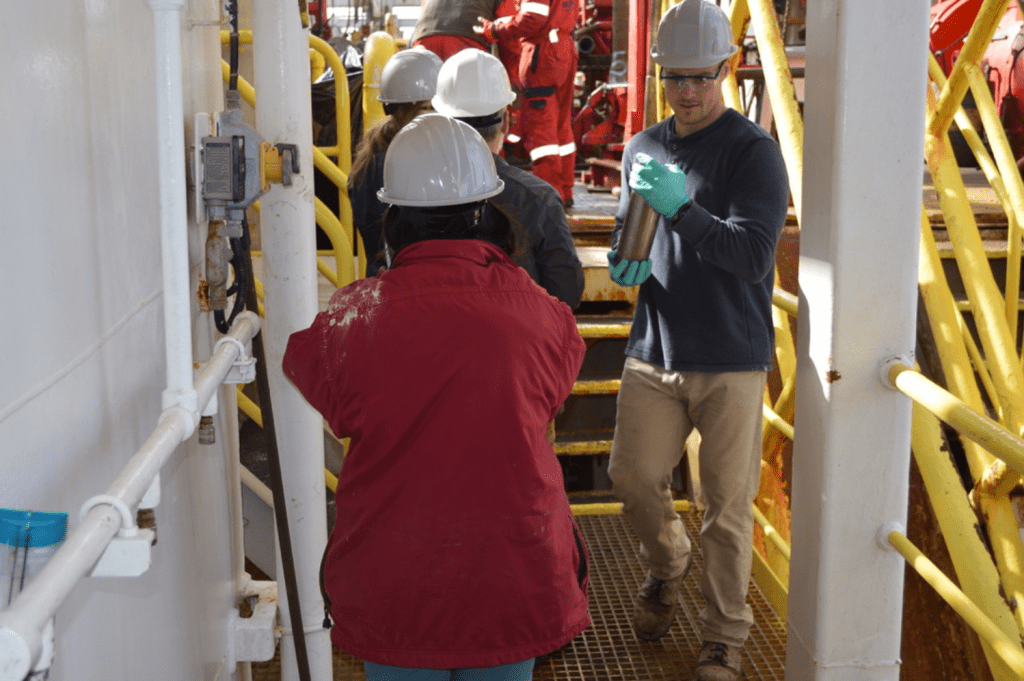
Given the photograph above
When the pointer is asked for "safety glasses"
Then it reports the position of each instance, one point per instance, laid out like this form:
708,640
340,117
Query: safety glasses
698,82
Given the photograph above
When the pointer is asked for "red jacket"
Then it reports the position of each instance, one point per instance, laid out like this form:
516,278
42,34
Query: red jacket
454,544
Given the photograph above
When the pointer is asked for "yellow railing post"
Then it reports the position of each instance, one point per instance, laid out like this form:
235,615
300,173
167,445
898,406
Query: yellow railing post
379,48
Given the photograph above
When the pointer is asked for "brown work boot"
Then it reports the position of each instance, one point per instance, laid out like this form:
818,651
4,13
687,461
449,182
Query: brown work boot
655,605
718,662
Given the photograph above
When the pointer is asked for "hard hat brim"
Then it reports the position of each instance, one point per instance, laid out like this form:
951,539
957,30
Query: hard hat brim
446,201
667,62
455,112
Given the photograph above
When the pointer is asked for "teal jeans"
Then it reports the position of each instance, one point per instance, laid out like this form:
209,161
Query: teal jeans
517,671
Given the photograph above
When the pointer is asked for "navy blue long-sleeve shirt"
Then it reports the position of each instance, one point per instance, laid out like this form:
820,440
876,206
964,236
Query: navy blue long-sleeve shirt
707,305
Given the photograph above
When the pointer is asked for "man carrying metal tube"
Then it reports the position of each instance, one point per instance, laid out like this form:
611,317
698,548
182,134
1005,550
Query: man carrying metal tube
702,337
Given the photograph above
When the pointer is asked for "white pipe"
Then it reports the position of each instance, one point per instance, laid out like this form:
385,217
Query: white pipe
284,116
23,621
173,212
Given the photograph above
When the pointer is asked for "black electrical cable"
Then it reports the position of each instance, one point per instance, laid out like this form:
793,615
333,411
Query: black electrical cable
233,58
276,481
239,248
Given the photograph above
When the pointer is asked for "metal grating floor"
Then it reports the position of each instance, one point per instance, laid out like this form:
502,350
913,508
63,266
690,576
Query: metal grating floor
608,649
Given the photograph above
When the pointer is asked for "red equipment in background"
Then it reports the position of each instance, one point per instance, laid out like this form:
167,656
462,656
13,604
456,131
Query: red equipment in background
318,26
599,111
951,21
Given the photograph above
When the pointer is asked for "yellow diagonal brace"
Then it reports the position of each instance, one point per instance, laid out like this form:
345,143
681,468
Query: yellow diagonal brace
779,82
1007,649
960,531
979,284
1014,188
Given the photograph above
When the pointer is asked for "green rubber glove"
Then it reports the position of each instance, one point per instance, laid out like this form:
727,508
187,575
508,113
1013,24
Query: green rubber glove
663,187
628,272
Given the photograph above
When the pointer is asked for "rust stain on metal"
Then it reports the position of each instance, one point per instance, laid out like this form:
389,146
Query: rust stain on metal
832,376
203,295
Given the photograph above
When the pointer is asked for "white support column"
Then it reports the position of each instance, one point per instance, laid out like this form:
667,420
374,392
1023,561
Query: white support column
863,169
287,217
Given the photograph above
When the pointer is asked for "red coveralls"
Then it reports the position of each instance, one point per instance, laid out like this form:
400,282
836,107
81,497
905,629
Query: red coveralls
547,69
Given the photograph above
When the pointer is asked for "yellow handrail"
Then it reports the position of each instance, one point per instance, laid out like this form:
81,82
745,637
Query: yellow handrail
341,237
780,424
785,301
771,533
1008,650
615,508
953,411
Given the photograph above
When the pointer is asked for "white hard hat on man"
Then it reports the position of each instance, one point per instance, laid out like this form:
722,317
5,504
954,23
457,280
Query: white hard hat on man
472,83
693,34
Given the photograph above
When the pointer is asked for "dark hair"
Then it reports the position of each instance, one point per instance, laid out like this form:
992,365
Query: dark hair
379,137
406,225
489,127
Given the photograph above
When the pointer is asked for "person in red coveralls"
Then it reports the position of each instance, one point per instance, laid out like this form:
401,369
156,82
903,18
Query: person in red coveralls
455,556
547,70
509,51
446,26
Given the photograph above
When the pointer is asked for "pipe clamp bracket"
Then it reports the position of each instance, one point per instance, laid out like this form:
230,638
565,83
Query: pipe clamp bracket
128,526
244,368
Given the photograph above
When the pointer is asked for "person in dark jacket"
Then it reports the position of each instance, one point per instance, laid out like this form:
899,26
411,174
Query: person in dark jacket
473,86
702,338
444,371
407,84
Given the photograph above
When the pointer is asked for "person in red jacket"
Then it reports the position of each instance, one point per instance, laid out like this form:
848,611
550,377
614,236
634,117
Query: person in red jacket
547,70
454,554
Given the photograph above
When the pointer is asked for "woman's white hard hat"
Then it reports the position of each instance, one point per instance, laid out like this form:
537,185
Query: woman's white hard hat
409,76
693,34
438,161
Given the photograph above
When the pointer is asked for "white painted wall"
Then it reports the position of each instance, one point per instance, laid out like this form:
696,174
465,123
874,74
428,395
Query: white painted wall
81,308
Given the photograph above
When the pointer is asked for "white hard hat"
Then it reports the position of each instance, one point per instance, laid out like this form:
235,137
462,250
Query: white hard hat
409,76
433,57
472,83
438,161
693,34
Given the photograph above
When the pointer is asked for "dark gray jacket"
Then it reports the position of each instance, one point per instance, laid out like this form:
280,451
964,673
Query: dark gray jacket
536,207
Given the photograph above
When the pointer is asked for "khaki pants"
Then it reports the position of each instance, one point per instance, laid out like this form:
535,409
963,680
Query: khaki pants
657,409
